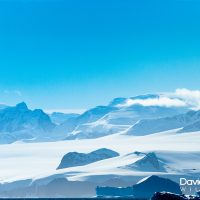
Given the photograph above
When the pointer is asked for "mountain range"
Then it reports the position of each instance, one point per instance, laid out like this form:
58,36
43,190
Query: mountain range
187,122
21,123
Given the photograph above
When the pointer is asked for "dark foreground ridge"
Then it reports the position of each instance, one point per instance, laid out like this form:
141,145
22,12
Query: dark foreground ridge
171,196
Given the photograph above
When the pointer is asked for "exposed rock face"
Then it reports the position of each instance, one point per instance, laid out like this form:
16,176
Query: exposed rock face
171,196
149,162
73,159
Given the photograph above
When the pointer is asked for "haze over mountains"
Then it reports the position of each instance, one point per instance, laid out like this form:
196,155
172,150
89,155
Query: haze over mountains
140,115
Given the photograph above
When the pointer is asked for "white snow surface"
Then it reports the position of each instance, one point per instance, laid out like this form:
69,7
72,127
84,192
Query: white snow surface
180,152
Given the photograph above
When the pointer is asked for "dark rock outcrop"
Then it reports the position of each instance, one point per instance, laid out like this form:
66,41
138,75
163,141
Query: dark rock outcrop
73,159
171,196
150,162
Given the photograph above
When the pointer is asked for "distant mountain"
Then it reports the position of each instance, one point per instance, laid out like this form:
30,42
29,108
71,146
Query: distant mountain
114,118
189,122
73,159
20,123
56,188
58,117
122,100
89,116
96,129
193,127
128,114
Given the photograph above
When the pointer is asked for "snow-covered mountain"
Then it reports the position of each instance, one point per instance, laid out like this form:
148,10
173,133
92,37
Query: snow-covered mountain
189,122
192,127
117,116
20,123
58,117
95,129
89,116
132,115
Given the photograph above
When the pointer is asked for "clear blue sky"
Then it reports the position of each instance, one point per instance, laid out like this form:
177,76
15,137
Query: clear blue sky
78,54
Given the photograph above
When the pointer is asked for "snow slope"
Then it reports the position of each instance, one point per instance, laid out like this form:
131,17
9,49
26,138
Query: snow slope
189,122
40,160
118,115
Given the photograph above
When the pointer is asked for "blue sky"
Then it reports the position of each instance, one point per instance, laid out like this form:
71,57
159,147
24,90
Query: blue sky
75,54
